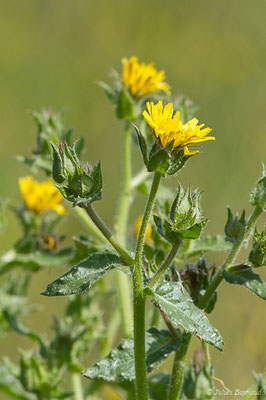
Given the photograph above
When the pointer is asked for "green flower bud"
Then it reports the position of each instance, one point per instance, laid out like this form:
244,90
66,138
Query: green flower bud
166,160
258,194
185,221
235,227
78,183
257,256
198,381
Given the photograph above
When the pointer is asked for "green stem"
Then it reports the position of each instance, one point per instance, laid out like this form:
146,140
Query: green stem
122,281
207,354
124,297
139,300
167,262
155,319
108,235
113,325
178,368
77,386
124,204
88,223
169,326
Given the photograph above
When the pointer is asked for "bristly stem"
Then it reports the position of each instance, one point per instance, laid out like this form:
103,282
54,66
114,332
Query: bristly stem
88,223
108,235
178,368
166,263
139,299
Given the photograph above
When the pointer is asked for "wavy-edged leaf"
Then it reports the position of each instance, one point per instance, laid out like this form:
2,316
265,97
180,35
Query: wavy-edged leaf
83,275
118,366
176,303
243,275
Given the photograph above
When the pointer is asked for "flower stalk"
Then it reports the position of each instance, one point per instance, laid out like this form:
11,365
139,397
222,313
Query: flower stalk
107,234
139,299
167,262
178,368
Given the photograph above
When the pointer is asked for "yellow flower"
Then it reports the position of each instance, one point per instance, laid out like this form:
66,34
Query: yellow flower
39,196
168,128
147,238
141,79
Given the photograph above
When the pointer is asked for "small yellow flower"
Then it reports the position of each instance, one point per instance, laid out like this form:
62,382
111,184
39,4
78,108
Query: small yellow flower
141,79
39,196
148,238
168,128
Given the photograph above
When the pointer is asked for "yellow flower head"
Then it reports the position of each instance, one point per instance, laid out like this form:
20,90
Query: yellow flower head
39,196
141,79
148,233
168,127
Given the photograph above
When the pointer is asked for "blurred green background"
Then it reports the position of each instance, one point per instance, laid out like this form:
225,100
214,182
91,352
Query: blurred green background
52,54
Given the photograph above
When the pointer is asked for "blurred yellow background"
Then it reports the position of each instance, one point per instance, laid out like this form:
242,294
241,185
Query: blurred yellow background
53,53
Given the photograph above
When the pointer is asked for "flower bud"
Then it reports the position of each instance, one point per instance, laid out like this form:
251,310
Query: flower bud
235,227
257,256
258,194
185,221
198,381
78,183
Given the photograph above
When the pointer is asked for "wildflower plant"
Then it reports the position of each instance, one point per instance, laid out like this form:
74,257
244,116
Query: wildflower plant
152,284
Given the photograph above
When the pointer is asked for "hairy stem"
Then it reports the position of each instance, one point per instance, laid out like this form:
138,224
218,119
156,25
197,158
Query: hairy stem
167,262
139,300
178,368
88,223
108,235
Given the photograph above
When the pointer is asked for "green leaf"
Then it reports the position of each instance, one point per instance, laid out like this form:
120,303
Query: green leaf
209,243
243,275
10,384
118,366
125,106
142,145
108,90
158,386
18,327
82,276
176,303
57,168
36,260
159,162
